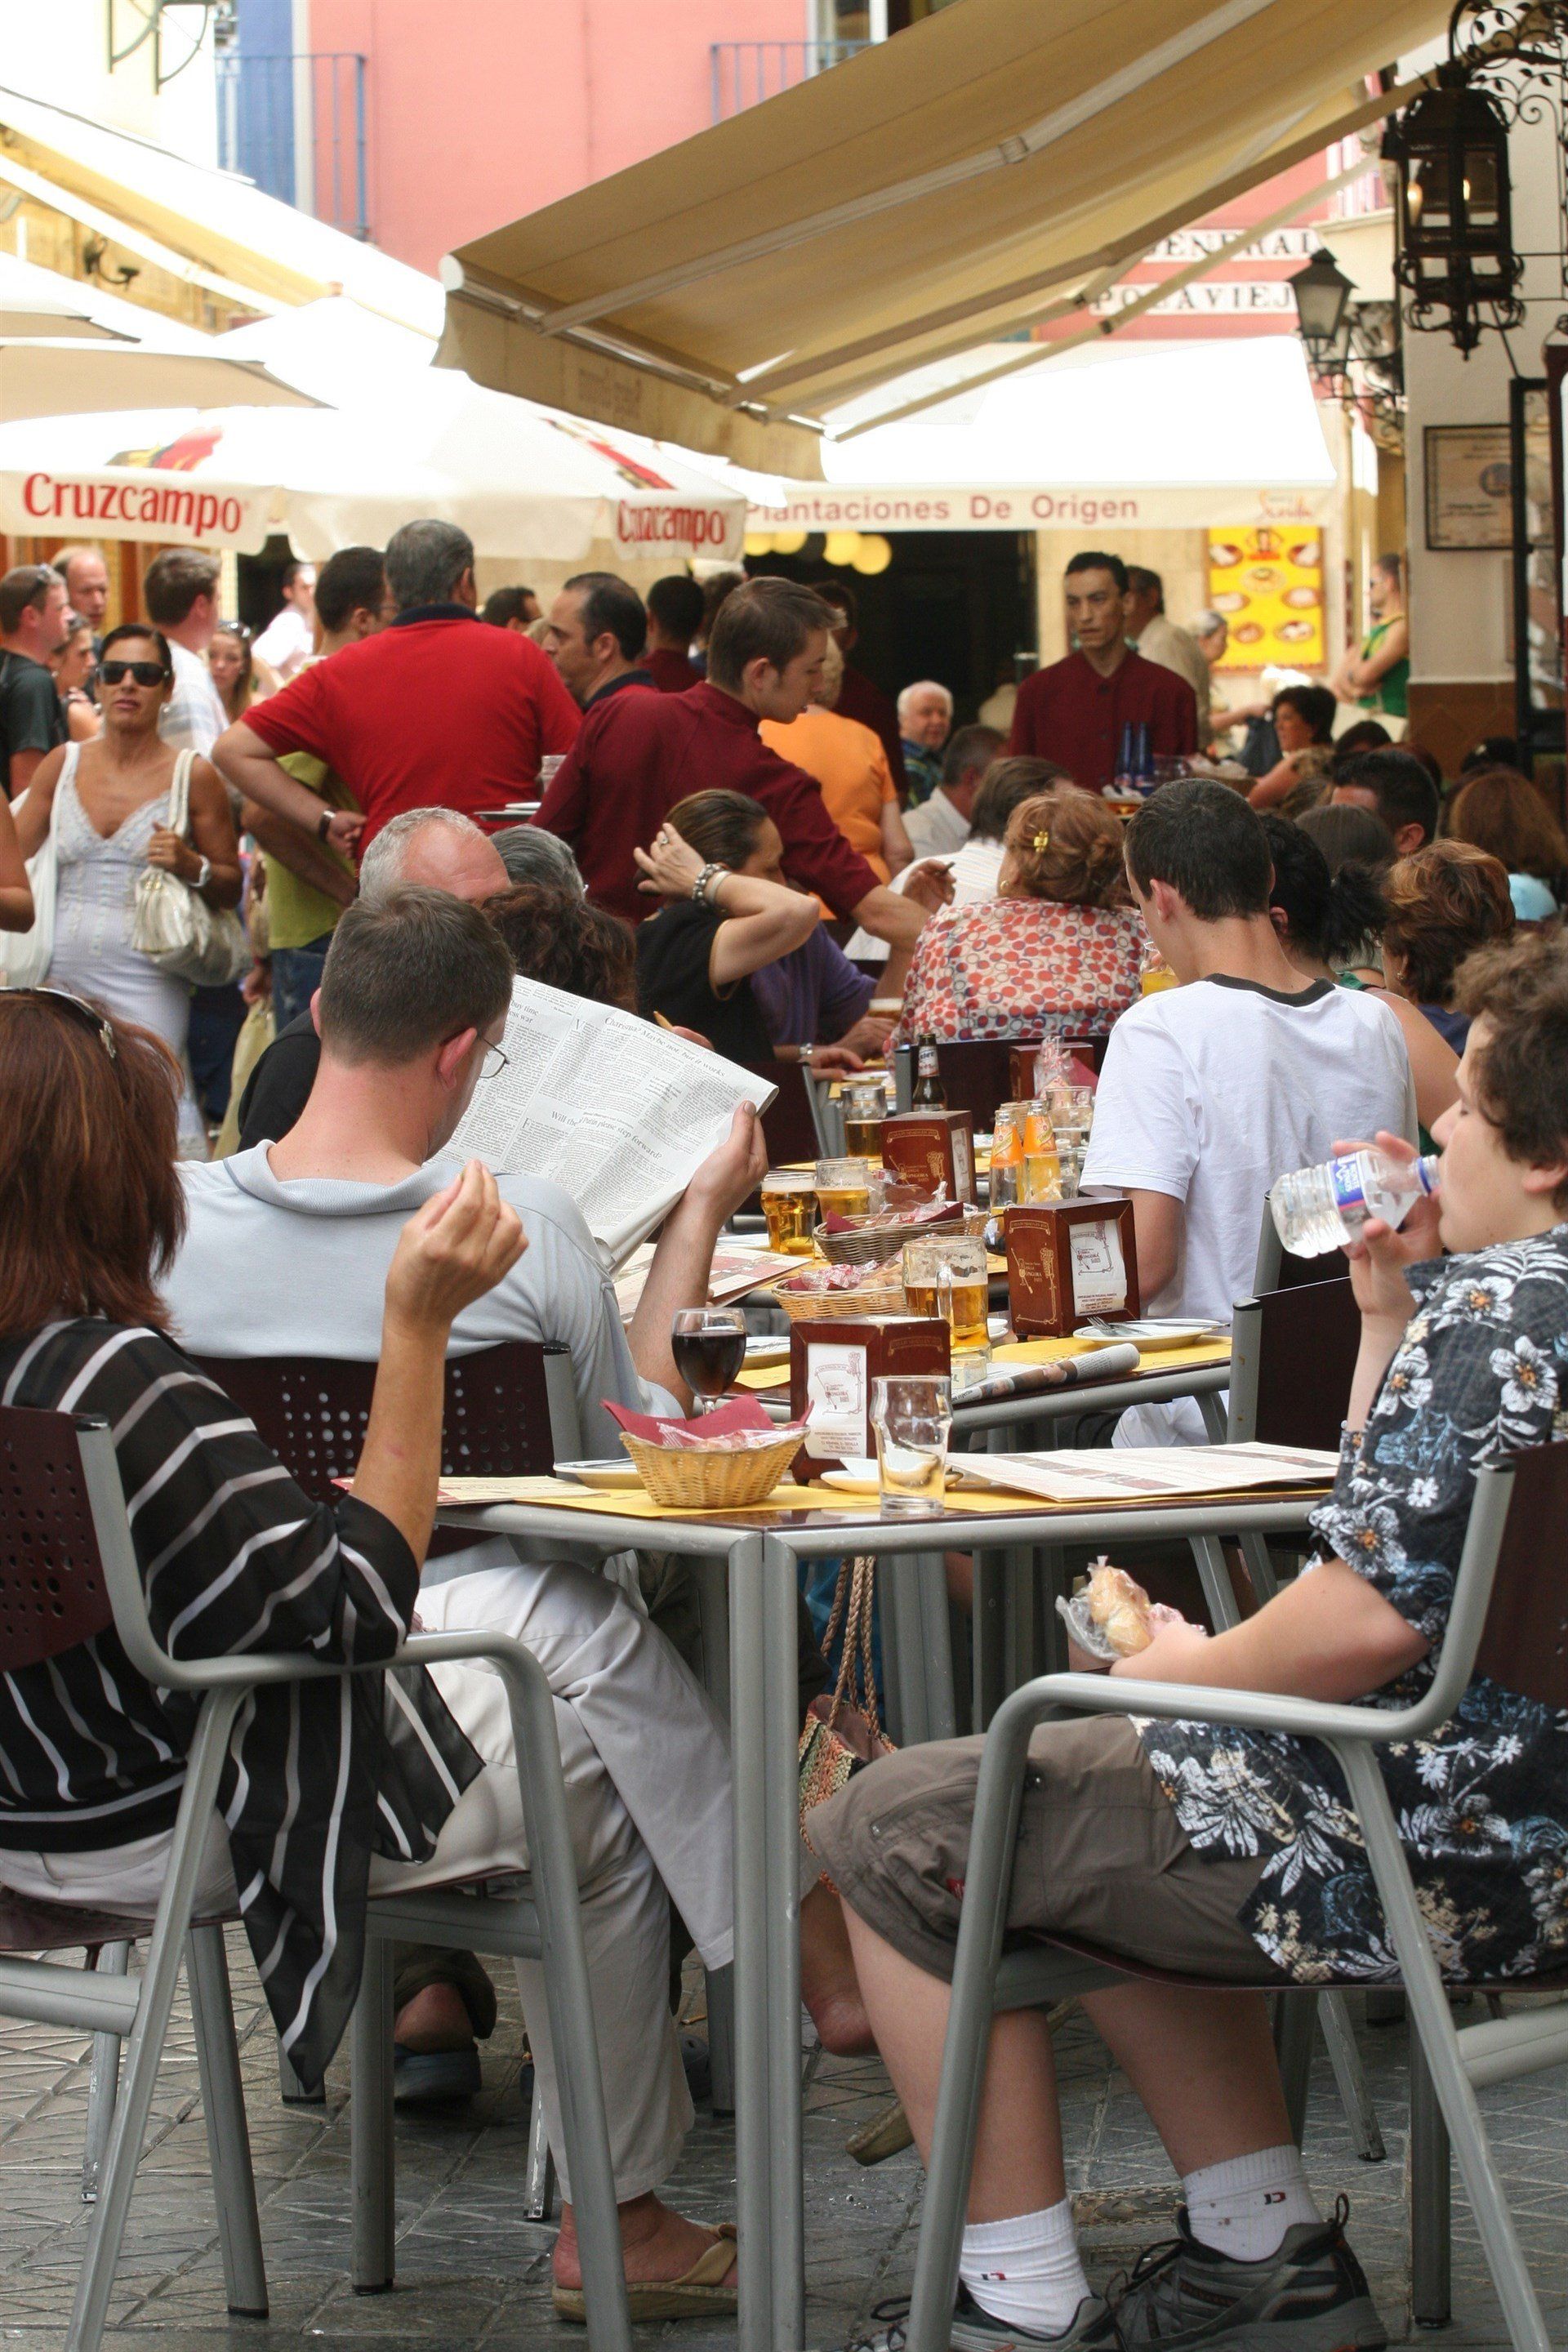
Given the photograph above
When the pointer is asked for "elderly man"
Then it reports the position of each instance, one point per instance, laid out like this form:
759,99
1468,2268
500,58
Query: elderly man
86,576
925,722
1158,639
1079,711
595,637
941,825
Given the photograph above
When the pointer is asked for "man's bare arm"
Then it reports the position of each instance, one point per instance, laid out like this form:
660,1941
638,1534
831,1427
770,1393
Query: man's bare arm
247,763
301,853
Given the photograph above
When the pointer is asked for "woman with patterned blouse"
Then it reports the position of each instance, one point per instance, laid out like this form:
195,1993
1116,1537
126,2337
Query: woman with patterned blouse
1060,940
1234,1855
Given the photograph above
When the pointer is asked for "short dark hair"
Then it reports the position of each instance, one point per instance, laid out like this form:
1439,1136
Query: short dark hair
1443,902
408,972
552,934
1205,842
504,605
293,567
352,581
425,562
1147,583
1348,836
1095,558
174,579
1403,790
1315,706
841,597
675,603
1366,735
1006,784
769,620
721,825
144,630
26,584
611,607
968,748
1327,914
1521,990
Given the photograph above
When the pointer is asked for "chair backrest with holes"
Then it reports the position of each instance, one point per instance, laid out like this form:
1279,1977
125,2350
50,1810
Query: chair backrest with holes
1524,1645
789,1132
52,1593
312,1412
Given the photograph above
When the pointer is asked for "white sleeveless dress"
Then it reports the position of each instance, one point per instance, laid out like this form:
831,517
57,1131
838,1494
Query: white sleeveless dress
93,953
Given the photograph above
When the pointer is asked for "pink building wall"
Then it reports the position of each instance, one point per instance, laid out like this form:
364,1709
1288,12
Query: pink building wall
478,110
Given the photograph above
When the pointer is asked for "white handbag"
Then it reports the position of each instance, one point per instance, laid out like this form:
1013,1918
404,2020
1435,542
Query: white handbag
26,956
173,925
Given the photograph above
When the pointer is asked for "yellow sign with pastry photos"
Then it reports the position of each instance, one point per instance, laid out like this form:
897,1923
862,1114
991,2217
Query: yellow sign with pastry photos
1267,582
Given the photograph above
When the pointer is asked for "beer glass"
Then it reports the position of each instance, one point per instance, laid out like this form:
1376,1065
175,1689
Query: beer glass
948,1278
911,1416
789,1204
844,1188
864,1103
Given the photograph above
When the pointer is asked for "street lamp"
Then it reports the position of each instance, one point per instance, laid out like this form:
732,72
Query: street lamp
1453,205
1322,294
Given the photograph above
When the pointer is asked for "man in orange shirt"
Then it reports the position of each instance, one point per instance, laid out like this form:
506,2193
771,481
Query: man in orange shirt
850,763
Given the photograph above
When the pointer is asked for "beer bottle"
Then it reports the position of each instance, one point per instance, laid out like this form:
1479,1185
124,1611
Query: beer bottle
930,1094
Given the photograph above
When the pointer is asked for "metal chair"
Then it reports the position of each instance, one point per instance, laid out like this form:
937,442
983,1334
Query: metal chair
1509,1622
68,1571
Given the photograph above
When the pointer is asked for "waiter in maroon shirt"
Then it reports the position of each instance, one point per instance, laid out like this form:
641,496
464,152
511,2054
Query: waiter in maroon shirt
638,754
675,609
1075,711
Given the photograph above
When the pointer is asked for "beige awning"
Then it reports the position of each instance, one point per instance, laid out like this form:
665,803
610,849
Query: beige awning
1000,163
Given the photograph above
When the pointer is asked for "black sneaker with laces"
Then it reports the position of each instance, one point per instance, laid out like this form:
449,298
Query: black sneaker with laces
1310,2297
1091,2329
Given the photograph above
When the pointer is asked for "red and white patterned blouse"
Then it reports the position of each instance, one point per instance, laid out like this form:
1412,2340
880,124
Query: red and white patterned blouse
1000,969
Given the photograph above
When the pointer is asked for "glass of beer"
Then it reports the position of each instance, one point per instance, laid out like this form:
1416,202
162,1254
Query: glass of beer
844,1187
1042,1172
864,1103
948,1278
789,1204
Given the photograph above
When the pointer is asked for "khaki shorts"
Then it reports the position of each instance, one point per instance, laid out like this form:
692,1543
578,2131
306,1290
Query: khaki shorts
1100,1855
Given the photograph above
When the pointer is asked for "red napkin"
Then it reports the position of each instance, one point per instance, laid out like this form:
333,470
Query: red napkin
728,1421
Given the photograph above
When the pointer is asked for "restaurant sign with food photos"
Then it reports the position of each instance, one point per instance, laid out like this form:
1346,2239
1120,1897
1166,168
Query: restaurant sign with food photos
1267,581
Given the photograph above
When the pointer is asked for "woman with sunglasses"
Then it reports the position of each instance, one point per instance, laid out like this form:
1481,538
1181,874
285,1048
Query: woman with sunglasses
113,821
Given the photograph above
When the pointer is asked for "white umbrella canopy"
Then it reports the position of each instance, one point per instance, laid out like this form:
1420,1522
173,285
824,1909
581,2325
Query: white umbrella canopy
61,377
36,302
521,479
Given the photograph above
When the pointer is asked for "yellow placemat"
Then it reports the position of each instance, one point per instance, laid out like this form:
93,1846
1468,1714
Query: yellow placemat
771,1377
766,1377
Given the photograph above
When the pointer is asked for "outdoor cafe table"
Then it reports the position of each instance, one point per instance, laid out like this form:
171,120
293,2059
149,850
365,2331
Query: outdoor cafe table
758,1551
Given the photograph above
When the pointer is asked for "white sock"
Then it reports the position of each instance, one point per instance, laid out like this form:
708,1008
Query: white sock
1243,2208
1026,2271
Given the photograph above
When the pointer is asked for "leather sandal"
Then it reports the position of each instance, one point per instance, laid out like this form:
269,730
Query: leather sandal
698,2294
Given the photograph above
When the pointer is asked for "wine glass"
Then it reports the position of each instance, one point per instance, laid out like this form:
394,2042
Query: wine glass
708,1344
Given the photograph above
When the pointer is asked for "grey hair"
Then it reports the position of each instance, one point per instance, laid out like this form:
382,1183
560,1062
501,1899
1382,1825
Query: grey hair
923,685
1205,624
380,870
425,562
530,854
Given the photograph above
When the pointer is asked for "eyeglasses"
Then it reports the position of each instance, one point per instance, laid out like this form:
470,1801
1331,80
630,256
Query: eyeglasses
145,673
83,1011
235,629
494,1063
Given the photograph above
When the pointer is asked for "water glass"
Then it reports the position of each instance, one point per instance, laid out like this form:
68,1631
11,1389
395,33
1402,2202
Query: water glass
912,1417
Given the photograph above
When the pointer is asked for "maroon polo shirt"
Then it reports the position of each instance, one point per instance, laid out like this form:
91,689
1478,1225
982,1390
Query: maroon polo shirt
670,671
437,711
638,754
859,699
1070,714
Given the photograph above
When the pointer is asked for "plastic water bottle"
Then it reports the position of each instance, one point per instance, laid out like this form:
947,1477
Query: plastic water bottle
1320,1208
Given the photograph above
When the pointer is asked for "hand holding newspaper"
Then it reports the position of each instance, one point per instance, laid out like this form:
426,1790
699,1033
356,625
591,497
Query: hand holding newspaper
618,1113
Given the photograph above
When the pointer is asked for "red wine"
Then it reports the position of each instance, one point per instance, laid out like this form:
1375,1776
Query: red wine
709,1360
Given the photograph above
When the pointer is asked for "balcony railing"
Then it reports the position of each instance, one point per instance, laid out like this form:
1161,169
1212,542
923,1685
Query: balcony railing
296,125
745,72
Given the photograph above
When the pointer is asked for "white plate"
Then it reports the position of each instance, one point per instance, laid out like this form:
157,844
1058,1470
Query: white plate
1149,1335
610,1477
767,1347
859,1475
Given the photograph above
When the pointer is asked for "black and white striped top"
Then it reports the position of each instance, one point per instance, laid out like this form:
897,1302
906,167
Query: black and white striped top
233,1557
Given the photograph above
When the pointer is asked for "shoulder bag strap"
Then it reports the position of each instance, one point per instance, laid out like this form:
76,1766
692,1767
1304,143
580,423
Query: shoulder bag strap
180,795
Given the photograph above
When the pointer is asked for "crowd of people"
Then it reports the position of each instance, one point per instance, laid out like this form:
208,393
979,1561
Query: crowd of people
739,836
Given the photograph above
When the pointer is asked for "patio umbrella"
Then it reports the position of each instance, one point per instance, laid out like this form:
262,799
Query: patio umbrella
36,302
61,377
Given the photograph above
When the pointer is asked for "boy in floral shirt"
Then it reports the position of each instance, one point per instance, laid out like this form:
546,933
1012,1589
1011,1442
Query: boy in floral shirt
1234,1855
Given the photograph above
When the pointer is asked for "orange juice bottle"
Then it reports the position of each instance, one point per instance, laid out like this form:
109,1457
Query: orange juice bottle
1006,1159
1042,1169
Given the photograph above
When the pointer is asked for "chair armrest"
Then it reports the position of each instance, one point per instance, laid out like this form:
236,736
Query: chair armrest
1301,1719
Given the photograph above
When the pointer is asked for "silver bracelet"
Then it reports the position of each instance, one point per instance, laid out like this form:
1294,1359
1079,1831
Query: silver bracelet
708,882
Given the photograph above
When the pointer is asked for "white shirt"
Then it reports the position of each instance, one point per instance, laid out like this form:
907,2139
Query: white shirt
976,868
193,716
1211,1091
286,642
935,826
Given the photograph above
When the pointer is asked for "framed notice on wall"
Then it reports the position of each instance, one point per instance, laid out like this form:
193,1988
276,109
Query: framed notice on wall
1468,484
1267,581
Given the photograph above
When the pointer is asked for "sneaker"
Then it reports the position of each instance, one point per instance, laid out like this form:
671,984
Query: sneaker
1310,2297
1091,2329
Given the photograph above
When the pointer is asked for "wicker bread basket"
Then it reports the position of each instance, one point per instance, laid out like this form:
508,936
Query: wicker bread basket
875,1242
845,1306
710,1478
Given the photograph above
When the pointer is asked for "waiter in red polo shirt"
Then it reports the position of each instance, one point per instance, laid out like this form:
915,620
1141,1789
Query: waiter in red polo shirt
638,754
433,711
1075,711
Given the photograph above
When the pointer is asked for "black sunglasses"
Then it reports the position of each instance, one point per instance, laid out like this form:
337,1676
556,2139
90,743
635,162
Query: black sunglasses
81,1009
145,673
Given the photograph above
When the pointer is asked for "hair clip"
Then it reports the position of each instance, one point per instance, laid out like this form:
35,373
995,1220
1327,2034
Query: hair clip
1042,842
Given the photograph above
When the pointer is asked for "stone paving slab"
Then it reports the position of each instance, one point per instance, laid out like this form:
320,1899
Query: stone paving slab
473,2275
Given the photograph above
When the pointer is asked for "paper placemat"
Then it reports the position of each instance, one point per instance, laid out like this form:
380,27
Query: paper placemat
772,1378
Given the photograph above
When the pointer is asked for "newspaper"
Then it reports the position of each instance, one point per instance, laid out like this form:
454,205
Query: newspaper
619,1113
735,1270
1124,1474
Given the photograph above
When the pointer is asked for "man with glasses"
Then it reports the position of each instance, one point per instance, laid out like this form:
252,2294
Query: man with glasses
33,626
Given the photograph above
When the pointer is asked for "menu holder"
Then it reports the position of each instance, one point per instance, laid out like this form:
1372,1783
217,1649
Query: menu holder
1070,1262
831,1368
926,1149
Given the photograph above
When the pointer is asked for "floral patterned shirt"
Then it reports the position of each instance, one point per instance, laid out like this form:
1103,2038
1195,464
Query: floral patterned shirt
1003,967
1482,1806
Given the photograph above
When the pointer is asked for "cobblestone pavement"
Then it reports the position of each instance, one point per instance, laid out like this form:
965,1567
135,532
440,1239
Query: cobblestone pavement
472,2273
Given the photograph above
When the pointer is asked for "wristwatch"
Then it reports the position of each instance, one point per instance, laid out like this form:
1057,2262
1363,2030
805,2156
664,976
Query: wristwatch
805,1054
203,875
324,825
